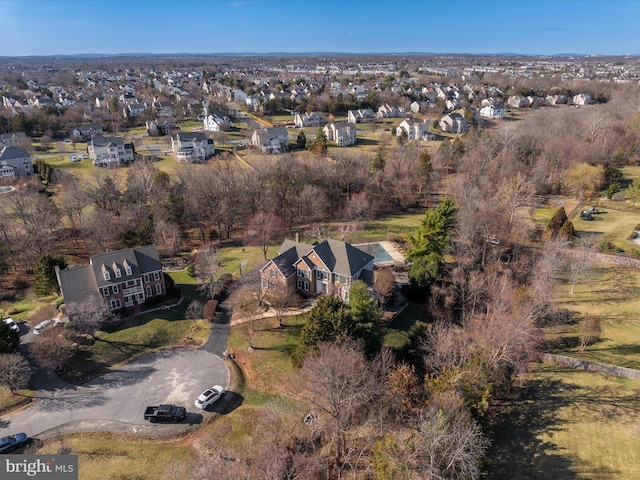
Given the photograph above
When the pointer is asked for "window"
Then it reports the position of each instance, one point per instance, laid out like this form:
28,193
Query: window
127,269
104,291
115,289
306,286
300,284
131,283
115,303
106,274
265,283
159,289
149,291
156,275
117,272
304,273
273,273
145,277
320,275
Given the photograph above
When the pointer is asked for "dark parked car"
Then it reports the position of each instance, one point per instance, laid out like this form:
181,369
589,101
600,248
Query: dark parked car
11,442
165,413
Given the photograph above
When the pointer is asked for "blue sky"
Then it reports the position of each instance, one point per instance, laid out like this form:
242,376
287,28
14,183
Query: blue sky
48,27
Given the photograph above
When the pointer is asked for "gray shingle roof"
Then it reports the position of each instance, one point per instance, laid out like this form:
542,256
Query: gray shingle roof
78,283
12,153
341,257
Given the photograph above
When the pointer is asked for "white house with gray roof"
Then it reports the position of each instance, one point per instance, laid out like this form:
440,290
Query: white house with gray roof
110,151
15,162
124,278
191,147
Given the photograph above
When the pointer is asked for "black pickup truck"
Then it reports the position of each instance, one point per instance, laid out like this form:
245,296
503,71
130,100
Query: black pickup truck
165,413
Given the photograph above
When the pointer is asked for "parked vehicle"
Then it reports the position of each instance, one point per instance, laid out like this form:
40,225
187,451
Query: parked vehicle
210,396
165,413
12,325
44,325
75,159
11,442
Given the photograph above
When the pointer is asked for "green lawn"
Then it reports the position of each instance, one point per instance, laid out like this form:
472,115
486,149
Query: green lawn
402,224
119,457
610,226
567,424
138,335
612,293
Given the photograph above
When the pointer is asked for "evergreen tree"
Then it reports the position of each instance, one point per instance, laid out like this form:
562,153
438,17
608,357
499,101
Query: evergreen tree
378,160
301,140
9,340
45,281
557,221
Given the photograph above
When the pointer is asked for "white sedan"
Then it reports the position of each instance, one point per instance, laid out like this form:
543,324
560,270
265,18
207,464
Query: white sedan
210,396
12,325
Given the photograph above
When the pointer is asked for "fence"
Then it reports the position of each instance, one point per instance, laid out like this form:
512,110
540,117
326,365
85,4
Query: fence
588,366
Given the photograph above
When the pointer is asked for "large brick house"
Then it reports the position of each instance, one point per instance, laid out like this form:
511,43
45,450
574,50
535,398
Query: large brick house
123,279
328,268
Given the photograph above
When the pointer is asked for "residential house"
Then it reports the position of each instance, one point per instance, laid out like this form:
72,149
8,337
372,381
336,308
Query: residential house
110,151
343,134
365,115
86,132
494,112
387,111
163,108
451,103
419,106
253,101
15,162
516,101
217,122
122,279
271,140
453,123
556,99
18,139
161,126
308,119
582,99
329,268
192,147
415,129
132,110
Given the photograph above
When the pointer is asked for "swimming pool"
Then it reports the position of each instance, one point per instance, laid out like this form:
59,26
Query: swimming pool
378,251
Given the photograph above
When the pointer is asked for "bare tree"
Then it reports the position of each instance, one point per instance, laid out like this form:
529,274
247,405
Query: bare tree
263,229
246,308
280,300
206,264
579,263
589,330
89,315
384,284
338,383
51,349
14,372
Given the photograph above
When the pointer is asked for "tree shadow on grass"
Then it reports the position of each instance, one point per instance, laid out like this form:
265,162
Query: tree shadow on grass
519,423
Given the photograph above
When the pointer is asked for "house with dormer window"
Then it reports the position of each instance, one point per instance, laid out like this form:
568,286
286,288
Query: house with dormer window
328,268
192,147
123,279
110,151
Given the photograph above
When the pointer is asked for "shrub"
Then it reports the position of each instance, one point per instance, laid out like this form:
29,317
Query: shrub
191,271
209,310
618,197
150,302
608,247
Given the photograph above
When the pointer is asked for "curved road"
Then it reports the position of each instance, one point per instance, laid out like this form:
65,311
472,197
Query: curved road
120,397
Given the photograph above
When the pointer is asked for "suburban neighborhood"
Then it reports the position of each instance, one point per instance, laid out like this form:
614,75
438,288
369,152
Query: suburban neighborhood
321,266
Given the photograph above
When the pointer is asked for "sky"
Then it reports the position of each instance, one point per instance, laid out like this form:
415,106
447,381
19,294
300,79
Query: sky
64,27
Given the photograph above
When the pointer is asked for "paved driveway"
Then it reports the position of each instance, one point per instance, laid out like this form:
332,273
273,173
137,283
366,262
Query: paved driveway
168,376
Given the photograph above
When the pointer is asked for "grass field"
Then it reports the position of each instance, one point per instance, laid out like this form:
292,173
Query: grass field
610,226
119,457
568,424
611,292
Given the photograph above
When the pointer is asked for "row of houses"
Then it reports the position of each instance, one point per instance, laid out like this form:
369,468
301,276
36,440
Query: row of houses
129,277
